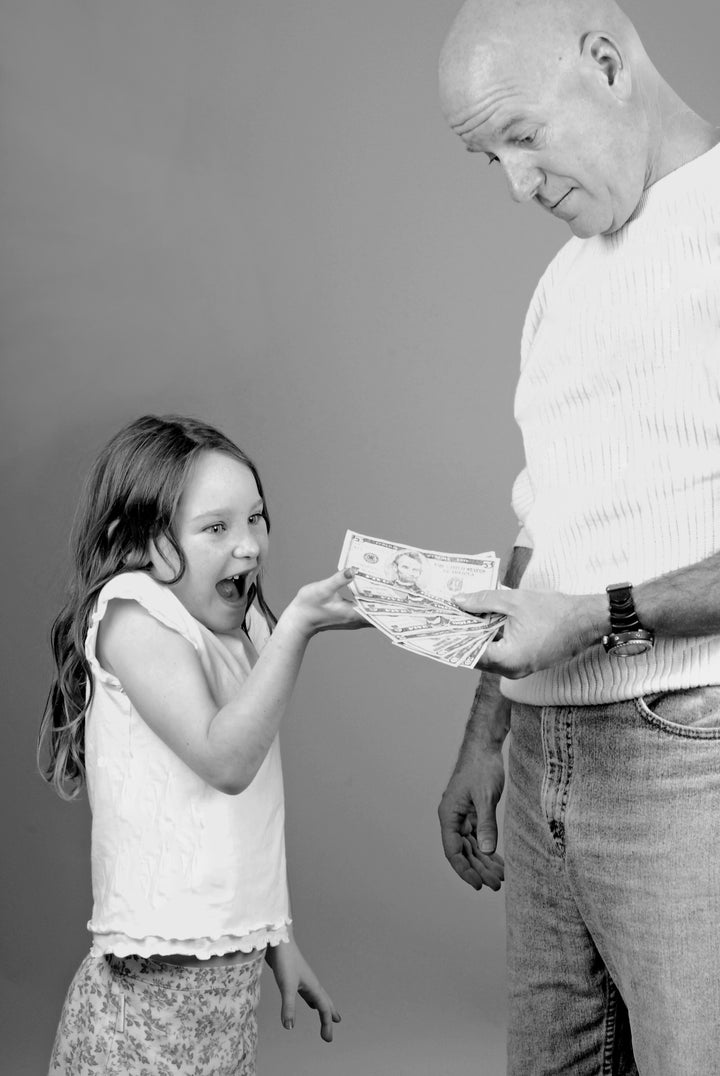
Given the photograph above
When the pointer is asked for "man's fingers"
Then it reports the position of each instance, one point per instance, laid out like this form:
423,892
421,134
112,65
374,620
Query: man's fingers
486,835
494,659
490,660
475,867
490,868
463,869
469,824
453,846
451,840
484,601
494,860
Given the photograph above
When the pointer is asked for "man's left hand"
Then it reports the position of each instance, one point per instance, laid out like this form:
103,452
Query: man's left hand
542,629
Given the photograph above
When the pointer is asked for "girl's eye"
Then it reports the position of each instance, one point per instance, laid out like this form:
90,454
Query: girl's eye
255,518
216,528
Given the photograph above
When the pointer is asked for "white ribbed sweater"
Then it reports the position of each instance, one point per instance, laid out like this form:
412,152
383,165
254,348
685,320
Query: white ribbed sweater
619,405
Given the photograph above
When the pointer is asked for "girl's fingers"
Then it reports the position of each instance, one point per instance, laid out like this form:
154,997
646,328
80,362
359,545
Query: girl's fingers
342,578
334,582
330,586
316,998
328,1016
287,1011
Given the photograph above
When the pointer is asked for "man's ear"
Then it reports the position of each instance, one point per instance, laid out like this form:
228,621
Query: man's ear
606,57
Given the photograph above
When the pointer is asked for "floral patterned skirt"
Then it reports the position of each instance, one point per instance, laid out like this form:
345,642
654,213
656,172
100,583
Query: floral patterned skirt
136,1017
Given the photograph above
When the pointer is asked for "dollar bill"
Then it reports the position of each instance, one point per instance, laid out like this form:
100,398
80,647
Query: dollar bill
408,594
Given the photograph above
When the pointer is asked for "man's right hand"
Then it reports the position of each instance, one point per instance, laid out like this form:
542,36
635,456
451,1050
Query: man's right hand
467,809
467,819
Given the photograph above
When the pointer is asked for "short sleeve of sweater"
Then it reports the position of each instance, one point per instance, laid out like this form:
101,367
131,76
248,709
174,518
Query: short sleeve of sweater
154,597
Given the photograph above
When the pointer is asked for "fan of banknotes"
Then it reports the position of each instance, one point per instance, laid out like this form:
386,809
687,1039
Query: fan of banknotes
408,594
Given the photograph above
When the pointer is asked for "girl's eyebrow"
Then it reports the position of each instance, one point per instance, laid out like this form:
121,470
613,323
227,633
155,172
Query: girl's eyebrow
226,510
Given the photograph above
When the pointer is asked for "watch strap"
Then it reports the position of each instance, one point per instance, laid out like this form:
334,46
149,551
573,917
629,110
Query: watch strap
623,616
627,635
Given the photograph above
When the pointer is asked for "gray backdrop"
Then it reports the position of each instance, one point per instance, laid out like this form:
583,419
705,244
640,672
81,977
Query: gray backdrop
255,214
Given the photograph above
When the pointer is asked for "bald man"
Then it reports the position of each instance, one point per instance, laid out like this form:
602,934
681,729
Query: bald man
608,670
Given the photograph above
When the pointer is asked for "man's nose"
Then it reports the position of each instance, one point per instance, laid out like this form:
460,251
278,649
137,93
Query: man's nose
523,179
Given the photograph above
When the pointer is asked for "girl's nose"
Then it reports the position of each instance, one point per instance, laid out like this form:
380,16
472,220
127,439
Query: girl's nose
248,547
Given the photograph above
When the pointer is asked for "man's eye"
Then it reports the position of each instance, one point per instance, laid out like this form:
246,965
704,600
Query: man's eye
529,139
492,159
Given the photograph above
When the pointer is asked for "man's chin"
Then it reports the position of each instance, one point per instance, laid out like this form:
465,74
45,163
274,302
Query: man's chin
582,230
586,229
595,220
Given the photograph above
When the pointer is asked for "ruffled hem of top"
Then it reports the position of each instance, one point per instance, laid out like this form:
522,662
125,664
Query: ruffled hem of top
202,948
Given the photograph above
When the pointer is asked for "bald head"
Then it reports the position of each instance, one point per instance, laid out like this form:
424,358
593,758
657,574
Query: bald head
562,95
524,31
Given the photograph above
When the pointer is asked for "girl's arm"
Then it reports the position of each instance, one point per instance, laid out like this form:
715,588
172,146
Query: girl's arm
161,674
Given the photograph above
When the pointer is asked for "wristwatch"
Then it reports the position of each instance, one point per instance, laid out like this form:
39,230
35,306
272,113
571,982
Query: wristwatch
627,635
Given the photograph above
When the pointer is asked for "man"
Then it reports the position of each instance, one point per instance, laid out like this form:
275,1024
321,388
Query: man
612,826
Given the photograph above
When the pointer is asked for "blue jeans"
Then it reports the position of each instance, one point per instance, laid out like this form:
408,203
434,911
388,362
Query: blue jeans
612,840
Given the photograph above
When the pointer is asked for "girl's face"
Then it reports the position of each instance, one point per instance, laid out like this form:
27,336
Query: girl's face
224,538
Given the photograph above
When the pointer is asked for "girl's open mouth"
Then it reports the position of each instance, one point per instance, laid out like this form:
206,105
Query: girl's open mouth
232,589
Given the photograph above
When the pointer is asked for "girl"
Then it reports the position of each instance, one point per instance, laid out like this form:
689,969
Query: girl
172,678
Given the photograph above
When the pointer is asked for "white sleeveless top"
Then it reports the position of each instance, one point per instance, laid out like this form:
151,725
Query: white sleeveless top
178,867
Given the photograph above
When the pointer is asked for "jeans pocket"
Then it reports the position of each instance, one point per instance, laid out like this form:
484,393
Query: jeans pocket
693,713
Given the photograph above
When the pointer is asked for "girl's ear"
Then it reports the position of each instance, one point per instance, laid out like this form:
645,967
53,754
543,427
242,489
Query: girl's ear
161,559
138,562
135,560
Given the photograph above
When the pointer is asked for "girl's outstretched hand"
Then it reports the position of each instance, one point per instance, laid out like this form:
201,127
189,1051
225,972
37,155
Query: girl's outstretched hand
321,606
293,976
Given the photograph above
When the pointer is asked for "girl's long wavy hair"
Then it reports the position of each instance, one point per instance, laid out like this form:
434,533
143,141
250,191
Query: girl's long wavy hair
129,500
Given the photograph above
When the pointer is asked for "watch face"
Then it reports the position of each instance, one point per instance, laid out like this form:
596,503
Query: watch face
628,643
630,649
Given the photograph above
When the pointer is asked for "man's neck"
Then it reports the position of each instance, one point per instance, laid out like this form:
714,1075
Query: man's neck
683,135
